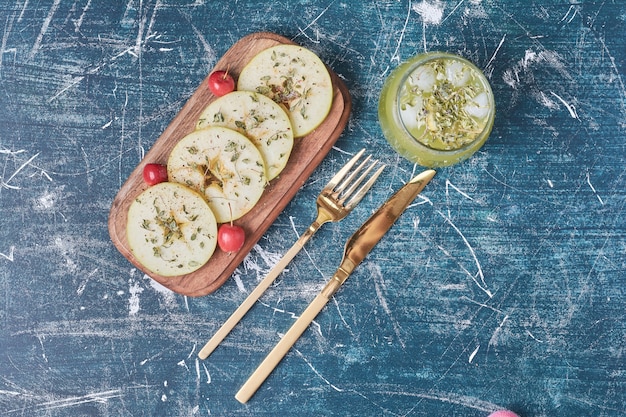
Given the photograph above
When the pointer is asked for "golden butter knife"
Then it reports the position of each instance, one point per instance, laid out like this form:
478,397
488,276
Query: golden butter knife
356,249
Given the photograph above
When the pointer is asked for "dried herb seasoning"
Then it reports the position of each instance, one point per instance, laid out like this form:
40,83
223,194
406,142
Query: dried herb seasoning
441,105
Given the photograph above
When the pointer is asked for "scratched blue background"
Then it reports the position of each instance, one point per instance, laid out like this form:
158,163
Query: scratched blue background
503,286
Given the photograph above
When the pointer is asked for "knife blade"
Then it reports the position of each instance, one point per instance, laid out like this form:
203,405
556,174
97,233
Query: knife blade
356,249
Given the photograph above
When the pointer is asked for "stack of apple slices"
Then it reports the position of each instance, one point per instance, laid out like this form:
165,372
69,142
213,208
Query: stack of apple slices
217,174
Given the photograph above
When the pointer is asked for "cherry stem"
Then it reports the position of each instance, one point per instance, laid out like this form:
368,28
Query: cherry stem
231,211
224,77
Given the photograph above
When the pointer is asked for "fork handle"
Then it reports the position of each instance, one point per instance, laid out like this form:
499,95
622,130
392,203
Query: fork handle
247,304
295,331
280,350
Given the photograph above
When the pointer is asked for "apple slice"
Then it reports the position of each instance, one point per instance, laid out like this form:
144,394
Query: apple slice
260,119
171,230
294,77
224,166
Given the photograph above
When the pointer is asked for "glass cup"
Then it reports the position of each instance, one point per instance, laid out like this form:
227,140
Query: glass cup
436,109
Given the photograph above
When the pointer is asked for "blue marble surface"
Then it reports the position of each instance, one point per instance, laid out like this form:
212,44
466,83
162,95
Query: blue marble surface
503,286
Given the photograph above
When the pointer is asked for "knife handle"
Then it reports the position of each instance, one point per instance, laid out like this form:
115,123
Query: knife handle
280,350
258,291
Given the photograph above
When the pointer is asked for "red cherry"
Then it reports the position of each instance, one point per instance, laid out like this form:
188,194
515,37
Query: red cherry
230,237
154,173
221,83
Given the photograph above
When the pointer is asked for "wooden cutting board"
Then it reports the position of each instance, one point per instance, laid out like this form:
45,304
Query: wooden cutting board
307,154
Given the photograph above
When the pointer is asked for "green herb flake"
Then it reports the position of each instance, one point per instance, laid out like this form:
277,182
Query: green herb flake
218,117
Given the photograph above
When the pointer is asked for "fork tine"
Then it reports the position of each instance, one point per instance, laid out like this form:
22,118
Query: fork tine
364,189
343,171
351,182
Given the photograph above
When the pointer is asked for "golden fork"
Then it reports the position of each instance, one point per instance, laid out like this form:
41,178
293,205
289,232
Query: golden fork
342,193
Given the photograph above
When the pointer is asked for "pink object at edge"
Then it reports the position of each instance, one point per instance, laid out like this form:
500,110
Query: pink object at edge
503,413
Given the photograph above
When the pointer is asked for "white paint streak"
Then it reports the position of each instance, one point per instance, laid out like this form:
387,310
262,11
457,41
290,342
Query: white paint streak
379,284
455,188
239,282
206,372
482,305
157,7
79,22
75,81
529,57
326,381
422,200
47,200
122,134
81,288
511,76
453,10
303,31
67,250
571,14
169,296
5,184
343,319
5,37
43,348
473,354
97,397
493,57
471,403
395,56
547,102
570,108
594,189
479,277
533,336
44,28
133,301
431,12
269,259
293,316
8,256
614,66
210,52
43,407
494,337
10,152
